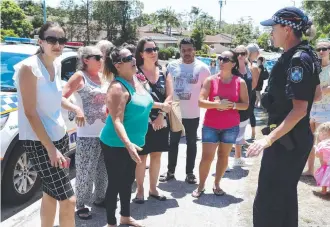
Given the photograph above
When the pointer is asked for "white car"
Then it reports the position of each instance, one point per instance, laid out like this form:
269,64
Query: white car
18,180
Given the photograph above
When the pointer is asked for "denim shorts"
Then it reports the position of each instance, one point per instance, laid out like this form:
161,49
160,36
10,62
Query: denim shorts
212,135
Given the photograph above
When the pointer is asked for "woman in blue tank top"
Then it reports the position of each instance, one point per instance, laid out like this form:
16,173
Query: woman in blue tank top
123,135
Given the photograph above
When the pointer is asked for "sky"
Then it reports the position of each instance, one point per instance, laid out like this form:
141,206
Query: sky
232,11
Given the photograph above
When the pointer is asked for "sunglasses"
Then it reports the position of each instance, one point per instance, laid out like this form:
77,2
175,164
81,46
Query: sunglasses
242,54
323,49
53,40
150,50
125,59
224,59
96,56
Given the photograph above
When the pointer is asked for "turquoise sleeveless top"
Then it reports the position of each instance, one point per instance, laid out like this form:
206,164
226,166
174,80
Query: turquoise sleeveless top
135,120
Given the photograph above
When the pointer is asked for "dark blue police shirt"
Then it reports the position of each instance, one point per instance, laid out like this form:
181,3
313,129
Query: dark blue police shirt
292,77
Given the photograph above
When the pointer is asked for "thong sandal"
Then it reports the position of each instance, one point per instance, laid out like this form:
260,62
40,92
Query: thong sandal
84,214
197,194
158,197
218,192
138,200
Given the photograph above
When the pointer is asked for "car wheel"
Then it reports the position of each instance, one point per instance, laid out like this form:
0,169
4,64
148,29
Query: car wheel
20,181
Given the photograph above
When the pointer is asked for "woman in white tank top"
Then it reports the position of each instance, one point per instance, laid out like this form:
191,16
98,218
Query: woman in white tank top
41,126
90,93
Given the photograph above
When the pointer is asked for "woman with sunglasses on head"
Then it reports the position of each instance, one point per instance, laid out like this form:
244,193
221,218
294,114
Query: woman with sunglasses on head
243,71
320,112
223,95
161,89
253,53
123,135
41,125
87,88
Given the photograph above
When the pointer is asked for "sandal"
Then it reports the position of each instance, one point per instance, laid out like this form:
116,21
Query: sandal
158,197
218,192
138,200
166,177
191,179
84,214
197,194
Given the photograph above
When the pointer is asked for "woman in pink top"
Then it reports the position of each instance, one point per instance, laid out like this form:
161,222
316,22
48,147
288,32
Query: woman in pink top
222,95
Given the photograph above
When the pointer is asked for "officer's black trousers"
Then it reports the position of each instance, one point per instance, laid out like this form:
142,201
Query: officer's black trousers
276,202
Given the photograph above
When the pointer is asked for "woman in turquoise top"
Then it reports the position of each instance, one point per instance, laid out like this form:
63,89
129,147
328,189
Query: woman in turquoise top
123,135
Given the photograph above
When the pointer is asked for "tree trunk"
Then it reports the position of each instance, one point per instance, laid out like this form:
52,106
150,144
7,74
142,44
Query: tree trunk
87,22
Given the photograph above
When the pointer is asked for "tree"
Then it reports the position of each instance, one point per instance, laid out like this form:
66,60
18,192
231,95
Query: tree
13,17
321,15
243,32
37,21
169,18
30,8
143,20
263,41
199,37
7,32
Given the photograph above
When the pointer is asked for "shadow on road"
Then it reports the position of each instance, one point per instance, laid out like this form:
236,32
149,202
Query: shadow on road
308,180
212,200
178,189
236,173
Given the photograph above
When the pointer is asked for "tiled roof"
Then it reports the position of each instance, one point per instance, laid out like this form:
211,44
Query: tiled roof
219,38
157,36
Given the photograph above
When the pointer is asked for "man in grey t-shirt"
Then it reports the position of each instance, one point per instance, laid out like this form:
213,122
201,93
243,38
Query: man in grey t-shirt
188,76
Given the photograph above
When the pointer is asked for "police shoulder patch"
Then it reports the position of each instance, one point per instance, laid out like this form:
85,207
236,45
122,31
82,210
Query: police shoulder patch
296,74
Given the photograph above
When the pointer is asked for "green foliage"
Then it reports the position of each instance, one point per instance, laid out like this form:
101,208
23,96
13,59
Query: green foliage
263,40
173,51
164,54
7,32
37,21
13,17
169,18
243,33
30,8
205,49
199,37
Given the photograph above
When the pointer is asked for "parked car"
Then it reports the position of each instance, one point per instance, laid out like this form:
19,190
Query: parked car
19,181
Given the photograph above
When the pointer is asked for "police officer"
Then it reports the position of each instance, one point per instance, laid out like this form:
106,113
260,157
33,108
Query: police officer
293,85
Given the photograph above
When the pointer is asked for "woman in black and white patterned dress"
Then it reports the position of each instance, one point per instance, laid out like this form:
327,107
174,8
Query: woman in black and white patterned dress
157,138
90,92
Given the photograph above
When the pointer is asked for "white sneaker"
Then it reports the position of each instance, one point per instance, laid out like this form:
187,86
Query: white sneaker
239,162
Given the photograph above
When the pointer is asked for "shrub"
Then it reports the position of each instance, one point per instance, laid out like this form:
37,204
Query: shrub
164,54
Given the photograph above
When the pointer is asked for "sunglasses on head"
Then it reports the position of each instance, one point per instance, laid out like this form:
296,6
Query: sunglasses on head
150,49
53,40
125,59
242,54
323,49
224,59
96,56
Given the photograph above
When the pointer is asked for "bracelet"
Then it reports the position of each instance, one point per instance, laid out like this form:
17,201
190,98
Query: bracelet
161,106
234,107
269,142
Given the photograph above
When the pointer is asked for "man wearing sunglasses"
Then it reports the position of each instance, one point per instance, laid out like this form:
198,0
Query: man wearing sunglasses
188,76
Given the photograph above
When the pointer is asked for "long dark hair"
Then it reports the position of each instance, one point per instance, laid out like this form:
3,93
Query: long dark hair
140,49
43,29
235,60
112,58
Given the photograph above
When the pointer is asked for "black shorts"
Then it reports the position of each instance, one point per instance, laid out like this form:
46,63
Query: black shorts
55,181
156,141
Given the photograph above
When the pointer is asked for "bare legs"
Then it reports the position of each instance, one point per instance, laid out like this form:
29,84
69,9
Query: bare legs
153,172
48,210
311,158
209,150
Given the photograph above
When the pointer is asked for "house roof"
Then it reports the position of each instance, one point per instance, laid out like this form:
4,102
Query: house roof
219,38
157,36
220,48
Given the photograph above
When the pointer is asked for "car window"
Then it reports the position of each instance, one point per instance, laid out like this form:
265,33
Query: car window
8,60
68,68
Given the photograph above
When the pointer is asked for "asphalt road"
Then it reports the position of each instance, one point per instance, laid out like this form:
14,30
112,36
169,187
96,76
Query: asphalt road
180,210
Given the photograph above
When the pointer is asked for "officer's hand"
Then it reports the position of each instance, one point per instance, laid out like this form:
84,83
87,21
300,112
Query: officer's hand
257,147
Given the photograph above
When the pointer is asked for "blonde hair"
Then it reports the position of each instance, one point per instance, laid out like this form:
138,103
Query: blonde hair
104,46
323,41
323,128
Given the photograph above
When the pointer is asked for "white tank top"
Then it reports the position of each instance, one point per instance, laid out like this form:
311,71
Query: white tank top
48,98
91,100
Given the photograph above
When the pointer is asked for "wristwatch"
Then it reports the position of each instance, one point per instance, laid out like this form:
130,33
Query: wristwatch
234,107
163,113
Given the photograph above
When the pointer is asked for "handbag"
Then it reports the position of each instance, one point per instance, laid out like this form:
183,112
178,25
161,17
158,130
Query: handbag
175,118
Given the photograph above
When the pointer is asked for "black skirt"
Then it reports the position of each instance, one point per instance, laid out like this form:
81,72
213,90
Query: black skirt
55,181
156,141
